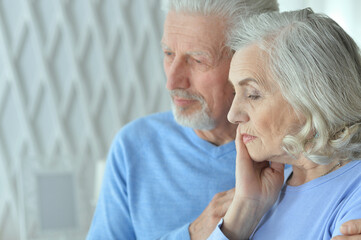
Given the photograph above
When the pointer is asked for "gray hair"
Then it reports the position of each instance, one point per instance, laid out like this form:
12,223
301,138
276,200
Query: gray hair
229,10
318,68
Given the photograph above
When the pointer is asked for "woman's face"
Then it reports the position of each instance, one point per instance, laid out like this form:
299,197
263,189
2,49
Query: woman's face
259,107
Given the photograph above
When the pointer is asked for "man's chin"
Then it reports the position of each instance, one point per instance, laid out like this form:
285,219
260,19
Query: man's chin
196,120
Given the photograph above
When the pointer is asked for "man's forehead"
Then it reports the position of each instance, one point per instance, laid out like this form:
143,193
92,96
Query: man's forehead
183,17
194,27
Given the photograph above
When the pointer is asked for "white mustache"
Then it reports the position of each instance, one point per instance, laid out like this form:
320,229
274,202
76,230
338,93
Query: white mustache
186,95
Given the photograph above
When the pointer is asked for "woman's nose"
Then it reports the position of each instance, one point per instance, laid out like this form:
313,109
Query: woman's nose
237,113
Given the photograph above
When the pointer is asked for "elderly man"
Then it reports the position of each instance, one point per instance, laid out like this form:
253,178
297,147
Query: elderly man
168,175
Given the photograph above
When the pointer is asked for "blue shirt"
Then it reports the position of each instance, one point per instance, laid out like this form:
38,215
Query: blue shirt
314,210
159,177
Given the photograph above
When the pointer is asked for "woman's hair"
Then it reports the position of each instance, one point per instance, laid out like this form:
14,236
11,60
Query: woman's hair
318,68
229,10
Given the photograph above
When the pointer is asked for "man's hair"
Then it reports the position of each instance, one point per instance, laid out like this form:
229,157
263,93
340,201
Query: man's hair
318,68
231,11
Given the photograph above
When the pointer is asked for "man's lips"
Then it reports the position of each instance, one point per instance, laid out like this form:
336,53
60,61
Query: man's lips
247,138
182,102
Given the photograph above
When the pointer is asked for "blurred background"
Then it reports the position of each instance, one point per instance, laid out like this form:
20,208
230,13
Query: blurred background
72,73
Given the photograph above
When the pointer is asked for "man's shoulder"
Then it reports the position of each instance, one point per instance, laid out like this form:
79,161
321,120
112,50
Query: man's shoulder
155,119
153,124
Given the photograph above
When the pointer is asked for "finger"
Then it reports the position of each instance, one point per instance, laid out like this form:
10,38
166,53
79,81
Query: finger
278,167
230,192
238,136
351,227
221,202
222,196
227,201
276,171
244,163
355,237
228,196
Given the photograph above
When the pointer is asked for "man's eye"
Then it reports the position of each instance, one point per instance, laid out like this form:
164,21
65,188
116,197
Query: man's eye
253,97
201,65
168,53
197,61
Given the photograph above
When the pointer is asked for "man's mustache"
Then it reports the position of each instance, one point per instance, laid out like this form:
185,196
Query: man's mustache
185,94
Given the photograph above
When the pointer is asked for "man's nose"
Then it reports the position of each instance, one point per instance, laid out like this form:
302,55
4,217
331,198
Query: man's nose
178,74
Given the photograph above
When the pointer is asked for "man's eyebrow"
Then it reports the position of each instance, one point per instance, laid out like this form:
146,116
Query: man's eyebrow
194,53
199,53
164,46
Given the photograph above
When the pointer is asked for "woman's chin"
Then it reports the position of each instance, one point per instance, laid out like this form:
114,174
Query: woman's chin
258,158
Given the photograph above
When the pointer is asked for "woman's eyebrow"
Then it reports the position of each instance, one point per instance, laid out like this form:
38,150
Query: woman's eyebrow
247,80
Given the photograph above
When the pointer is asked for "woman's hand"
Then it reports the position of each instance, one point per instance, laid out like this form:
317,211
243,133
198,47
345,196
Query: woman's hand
257,187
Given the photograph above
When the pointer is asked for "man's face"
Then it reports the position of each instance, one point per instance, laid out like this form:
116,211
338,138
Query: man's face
196,64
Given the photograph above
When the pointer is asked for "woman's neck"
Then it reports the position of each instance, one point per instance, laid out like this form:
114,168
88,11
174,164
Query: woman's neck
305,170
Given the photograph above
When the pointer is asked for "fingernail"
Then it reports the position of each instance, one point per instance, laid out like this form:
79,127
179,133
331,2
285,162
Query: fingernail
345,228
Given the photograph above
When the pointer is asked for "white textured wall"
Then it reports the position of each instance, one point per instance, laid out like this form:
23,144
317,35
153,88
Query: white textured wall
345,12
72,72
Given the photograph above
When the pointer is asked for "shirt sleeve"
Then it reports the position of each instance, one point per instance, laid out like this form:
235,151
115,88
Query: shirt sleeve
111,218
351,209
217,234
181,233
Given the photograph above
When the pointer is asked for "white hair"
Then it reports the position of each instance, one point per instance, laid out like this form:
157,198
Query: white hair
229,10
318,68
200,119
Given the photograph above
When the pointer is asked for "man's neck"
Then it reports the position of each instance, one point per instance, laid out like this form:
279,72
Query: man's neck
220,135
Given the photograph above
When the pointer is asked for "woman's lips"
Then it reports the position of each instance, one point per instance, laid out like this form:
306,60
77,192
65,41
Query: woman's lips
247,138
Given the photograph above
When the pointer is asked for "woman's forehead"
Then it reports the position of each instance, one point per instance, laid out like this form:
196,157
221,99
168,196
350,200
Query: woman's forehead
248,64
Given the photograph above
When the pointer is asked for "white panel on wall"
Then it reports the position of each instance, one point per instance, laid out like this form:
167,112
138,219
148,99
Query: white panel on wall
72,73
346,13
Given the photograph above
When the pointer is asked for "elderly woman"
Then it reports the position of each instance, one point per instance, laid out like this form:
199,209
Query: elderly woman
297,81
